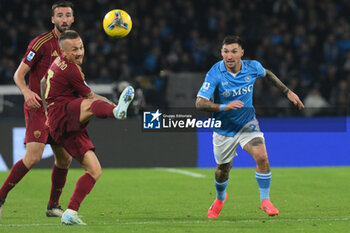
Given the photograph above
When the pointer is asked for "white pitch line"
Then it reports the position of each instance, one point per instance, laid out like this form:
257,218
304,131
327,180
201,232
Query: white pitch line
183,172
29,225
118,222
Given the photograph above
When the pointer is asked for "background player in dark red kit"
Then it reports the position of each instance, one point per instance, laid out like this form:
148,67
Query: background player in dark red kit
70,105
41,52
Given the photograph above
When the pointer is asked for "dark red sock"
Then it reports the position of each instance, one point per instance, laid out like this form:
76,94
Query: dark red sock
16,174
58,180
102,109
83,187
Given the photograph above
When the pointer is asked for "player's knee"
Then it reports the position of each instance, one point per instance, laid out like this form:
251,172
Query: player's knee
99,173
68,161
30,160
224,168
222,172
64,162
96,173
262,159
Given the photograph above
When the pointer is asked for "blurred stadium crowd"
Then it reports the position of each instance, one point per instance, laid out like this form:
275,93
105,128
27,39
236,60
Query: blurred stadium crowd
305,42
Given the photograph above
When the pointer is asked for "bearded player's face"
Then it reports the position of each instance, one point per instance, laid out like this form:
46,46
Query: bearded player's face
73,50
63,18
232,53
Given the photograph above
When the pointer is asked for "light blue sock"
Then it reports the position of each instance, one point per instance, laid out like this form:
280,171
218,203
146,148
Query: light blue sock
220,190
264,181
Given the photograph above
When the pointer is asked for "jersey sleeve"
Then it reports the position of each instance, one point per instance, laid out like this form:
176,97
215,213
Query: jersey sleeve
77,80
34,52
261,72
208,87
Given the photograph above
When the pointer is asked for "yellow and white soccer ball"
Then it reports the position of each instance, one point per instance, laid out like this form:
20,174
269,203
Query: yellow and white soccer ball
117,23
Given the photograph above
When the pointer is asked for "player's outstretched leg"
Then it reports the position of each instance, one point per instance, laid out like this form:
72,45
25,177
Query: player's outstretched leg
124,100
215,208
71,217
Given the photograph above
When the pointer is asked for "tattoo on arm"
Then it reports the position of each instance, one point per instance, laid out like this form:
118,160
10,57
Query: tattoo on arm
272,78
206,105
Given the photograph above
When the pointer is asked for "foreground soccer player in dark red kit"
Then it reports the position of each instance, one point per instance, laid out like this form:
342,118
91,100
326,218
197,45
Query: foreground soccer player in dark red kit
70,105
41,52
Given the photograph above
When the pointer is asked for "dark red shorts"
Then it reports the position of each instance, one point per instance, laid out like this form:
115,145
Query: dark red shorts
66,129
36,128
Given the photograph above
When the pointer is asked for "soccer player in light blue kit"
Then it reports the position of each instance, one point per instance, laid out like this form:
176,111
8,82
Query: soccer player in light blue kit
228,92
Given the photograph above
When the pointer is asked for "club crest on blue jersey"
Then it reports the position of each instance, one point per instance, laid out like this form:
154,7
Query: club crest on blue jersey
30,56
226,93
151,120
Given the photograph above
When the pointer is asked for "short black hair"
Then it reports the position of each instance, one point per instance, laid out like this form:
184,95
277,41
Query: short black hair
231,39
61,3
67,35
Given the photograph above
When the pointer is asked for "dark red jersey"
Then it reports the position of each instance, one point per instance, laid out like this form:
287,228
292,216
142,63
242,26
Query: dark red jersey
64,88
65,82
41,52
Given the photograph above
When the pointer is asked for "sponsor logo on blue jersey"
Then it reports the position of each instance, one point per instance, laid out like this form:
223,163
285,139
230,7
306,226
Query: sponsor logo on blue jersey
239,91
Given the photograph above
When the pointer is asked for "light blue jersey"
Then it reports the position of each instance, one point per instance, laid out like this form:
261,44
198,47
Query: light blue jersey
223,87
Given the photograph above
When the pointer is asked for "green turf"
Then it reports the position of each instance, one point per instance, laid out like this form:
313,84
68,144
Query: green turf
155,200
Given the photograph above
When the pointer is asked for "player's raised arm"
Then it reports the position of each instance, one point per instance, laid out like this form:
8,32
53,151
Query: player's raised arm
272,78
30,97
204,104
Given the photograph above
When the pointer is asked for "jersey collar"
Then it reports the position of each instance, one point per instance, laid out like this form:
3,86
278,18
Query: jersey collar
223,68
54,34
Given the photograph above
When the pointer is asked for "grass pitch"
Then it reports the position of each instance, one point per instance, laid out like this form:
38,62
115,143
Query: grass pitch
161,200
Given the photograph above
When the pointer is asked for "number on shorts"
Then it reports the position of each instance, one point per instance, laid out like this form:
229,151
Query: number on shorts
253,127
